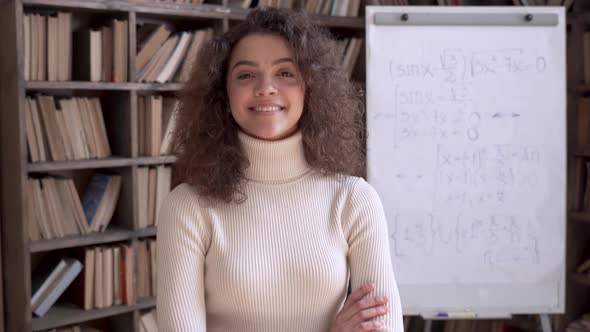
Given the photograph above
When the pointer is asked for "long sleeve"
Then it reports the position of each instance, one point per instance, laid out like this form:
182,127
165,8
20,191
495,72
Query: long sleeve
183,239
369,258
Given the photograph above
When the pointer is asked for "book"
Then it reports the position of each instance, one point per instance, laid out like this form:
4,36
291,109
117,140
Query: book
52,48
143,271
42,49
199,39
64,51
99,200
120,50
41,212
46,106
152,246
40,134
98,278
149,322
88,65
153,127
117,277
33,228
164,179
81,292
30,134
27,46
149,43
154,67
107,53
142,196
169,108
48,289
152,192
129,277
173,63
108,291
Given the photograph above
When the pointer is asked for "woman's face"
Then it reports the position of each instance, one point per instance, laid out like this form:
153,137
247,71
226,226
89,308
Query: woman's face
265,87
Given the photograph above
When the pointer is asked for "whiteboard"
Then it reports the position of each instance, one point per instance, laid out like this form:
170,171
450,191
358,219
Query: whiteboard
467,150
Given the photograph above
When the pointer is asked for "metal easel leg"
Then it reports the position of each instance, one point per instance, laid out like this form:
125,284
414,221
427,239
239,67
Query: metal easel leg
428,325
545,323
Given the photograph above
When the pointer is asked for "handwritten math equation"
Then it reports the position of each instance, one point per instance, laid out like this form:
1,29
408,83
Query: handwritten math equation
468,161
491,239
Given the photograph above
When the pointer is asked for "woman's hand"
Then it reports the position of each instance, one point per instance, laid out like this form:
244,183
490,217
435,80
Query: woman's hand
358,313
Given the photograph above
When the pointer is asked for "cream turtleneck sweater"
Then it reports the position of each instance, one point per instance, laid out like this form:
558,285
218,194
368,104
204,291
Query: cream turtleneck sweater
281,260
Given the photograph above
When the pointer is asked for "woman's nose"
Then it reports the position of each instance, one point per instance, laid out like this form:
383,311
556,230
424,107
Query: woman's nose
266,87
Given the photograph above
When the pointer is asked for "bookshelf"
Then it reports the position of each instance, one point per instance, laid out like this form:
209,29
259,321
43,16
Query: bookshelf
120,108
578,228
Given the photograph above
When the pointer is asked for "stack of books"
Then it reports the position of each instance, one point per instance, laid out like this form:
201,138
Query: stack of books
48,47
146,272
102,53
157,122
54,208
153,184
74,130
163,56
348,8
349,50
108,277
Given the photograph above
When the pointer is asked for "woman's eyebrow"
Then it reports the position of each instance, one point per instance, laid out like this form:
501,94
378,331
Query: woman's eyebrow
254,64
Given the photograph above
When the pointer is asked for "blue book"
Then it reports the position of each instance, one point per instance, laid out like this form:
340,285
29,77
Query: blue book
93,194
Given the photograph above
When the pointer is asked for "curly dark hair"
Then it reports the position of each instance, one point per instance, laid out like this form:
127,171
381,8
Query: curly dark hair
205,141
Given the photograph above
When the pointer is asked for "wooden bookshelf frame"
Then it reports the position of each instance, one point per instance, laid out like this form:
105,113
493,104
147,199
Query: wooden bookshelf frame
15,168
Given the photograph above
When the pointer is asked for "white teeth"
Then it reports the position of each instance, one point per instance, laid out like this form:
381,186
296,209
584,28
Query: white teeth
267,109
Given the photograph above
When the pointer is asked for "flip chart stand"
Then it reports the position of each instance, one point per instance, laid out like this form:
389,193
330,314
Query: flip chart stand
545,322
467,19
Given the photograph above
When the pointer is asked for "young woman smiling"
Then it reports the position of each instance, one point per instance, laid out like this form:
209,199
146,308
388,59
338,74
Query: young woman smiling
270,223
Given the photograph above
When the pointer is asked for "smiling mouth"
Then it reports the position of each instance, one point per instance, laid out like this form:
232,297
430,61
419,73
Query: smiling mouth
267,109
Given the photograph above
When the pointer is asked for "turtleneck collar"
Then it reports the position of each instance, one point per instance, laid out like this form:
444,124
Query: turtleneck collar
274,161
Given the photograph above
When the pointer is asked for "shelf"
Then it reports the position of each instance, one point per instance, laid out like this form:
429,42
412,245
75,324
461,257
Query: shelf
208,11
155,86
106,86
339,21
110,235
323,20
580,216
582,152
80,164
103,5
146,232
143,161
182,10
76,85
48,166
580,279
61,315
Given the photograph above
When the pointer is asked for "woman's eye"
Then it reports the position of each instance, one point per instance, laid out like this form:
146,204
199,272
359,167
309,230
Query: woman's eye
286,74
244,76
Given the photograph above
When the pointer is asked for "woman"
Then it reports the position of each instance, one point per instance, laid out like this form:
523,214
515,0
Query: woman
269,225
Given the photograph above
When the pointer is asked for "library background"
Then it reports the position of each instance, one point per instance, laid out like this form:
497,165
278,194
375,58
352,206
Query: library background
87,93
